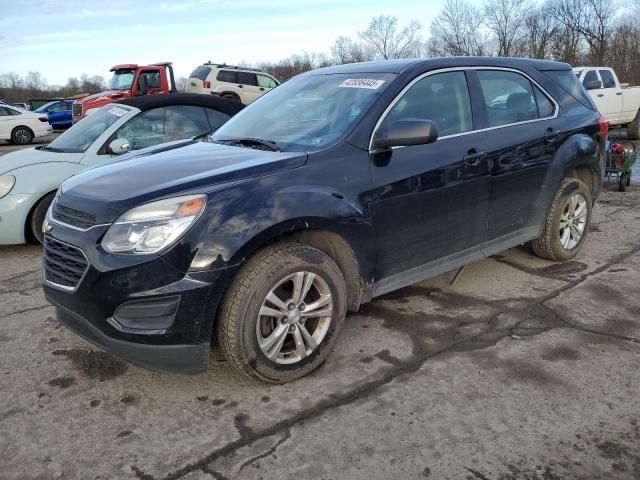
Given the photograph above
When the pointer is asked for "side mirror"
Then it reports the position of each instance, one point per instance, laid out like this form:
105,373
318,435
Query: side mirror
118,146
405,132
143,85
593,85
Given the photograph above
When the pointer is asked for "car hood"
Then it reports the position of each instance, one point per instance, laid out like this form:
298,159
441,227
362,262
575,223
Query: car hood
97,97
32,156
109,190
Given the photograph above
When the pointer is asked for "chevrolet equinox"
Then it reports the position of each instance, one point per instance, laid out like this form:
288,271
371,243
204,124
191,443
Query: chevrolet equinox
340,185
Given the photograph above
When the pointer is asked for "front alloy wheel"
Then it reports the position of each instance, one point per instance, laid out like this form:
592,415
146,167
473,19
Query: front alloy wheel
282,313
294,318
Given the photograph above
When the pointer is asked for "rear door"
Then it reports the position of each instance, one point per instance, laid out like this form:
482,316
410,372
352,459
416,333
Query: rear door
430,201
521,137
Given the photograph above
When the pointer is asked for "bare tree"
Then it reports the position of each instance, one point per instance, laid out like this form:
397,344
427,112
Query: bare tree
456,31
541,29
506,20
347,50
181,84
384,38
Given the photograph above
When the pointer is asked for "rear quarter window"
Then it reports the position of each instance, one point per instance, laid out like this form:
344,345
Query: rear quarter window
567,80
227,76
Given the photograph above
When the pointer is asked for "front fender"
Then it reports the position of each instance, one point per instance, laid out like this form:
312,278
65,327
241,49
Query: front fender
239,221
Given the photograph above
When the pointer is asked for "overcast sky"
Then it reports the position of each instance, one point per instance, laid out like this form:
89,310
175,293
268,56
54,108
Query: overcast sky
61,39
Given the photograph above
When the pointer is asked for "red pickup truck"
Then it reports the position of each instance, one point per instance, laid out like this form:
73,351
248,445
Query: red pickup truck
128,80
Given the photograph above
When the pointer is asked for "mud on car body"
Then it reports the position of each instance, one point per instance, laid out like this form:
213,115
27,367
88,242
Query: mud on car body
341,185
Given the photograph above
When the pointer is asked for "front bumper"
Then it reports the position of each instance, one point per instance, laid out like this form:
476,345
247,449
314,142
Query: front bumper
140,308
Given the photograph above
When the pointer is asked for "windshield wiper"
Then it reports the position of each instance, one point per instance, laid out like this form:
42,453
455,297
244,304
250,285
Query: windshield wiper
49,149
252,143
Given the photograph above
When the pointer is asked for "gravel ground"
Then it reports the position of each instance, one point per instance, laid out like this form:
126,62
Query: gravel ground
524,369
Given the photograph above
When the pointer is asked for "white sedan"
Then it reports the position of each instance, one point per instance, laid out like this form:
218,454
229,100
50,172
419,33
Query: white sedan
20,126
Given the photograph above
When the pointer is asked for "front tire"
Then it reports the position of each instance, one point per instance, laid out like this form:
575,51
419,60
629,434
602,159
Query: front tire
282,313
38,215
22,135
567,223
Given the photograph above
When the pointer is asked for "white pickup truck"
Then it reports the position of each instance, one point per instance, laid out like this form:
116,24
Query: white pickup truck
619,103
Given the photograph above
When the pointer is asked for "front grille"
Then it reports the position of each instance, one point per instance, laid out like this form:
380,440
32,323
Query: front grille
63,264
72,217
76,109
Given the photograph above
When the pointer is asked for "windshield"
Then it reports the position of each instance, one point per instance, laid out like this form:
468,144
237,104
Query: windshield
44,107
82,135
307,113
121,80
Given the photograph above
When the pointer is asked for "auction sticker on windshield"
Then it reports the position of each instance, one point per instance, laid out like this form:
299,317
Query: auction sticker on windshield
117,111
369,83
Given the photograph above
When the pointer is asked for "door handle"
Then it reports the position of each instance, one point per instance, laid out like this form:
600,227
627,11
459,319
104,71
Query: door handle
601,94
550,135
262,89
474,158
239,86
618,93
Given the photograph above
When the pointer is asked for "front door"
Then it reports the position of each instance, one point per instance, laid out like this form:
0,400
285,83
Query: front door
524,133
430,201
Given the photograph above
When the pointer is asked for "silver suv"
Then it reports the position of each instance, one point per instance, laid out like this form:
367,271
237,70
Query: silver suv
232,82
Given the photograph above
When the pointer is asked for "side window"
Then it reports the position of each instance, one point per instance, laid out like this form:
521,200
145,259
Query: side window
246,78
216,118
10,111
545,107
590,76
58,107
607,79
442,98
67,105
266,82
4,112
164,124
153,79
227,76
509,97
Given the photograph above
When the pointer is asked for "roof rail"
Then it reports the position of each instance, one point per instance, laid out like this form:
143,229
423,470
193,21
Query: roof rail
161,64
231,67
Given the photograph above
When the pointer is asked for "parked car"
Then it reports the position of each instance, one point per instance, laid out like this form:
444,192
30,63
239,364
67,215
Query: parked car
619,103
21,126
128,80
21,105
227,81
30,177
341,185
58,113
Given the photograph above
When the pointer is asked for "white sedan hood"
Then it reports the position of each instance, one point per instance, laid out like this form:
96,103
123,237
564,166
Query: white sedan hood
32,156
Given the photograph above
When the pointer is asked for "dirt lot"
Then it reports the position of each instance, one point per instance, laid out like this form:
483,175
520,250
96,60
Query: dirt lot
523,370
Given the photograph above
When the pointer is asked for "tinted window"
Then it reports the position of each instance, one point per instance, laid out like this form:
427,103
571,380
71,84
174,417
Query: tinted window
57,107
607,79
215,118
571,85
227,76
200,73
590,76
442,98
4,112
165,124
266,82
246,78
508,96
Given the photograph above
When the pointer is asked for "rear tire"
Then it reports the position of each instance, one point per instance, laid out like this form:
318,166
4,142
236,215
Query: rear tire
22,135
38,215
633,128
567,223
267,330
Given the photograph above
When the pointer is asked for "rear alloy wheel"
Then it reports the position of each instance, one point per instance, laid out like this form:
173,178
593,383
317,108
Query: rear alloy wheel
22,135
567,223
282,313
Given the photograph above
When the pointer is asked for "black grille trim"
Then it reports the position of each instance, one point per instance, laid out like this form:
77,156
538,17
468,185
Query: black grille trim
64,265
72,217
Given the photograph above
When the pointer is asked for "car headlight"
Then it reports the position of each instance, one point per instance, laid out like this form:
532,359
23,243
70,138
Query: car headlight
6,184
150,228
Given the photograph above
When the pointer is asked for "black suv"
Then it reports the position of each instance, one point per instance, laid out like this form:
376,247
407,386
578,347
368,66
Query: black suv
336,187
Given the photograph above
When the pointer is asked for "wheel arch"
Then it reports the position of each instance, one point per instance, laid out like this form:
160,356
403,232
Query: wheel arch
28,234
